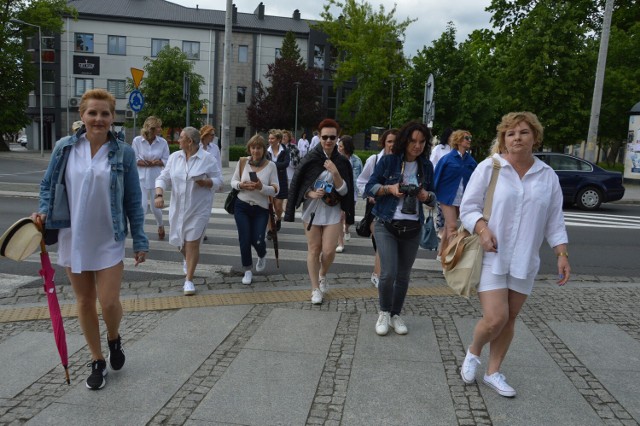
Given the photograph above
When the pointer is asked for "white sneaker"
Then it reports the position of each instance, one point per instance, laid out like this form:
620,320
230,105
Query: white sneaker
398,325
375,280
339,249
382,325
498,383
248,276
189,289
184,266
316,297
322,281
261,264
347,236
469,366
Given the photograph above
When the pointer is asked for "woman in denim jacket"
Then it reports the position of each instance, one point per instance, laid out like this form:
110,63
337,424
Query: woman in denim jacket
400,183
102,189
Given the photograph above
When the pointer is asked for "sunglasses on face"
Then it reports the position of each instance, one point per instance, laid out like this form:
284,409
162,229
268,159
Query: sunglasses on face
467,138
332,137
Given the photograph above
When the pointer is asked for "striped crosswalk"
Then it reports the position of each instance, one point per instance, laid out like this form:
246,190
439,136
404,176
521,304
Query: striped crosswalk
601,220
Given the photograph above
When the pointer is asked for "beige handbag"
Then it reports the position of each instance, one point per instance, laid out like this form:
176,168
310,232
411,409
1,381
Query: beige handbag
462,258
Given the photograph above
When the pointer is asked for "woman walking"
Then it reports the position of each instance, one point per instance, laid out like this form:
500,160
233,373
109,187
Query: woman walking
401,183
279,154
257,180
103,194
527,208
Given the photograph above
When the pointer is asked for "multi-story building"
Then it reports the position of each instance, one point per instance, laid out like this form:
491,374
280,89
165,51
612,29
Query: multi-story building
109,38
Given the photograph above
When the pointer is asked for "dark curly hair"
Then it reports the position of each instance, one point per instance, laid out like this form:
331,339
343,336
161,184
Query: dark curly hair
405,135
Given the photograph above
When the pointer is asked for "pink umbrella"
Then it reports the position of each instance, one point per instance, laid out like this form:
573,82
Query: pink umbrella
47,273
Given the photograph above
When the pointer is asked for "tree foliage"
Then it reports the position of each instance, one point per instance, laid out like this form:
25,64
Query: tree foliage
162,88
275,106
369,46
18,75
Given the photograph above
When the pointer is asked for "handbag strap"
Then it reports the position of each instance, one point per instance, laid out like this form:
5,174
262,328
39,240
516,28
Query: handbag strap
488,201
243,161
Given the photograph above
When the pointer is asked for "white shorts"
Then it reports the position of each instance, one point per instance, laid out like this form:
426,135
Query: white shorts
491,281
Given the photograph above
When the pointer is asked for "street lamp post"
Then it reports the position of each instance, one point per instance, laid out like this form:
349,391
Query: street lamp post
295,130
391,106
20,22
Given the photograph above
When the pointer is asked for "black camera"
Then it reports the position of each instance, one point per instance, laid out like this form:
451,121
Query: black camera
409,205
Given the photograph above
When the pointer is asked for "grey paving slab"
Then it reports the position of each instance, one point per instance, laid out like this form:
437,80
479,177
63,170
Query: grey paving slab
418,345
538,380
612,356
263,388
157,365
290,330
28,356
77,415
398,380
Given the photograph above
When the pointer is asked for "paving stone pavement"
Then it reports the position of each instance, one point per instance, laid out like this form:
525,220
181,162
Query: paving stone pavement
575,355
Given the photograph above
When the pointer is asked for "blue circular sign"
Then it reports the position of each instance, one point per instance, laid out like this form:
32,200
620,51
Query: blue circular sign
136,101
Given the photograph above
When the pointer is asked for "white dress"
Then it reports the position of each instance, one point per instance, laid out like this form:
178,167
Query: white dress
323,213
89,244
190,206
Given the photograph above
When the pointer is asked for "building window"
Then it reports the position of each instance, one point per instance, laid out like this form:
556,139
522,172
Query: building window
192,49
240,135
318,56
48,89
278,53
157,44
242,91
84,42
243,53
82,85
117,88
117,45
48,49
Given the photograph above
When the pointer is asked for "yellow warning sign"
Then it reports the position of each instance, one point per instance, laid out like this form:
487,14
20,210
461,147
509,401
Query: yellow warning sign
137,76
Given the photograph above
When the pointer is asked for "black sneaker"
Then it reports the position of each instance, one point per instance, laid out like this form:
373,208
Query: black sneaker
278,225
116,354
98,373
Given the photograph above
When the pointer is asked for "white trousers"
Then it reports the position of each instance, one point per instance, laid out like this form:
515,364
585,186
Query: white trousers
148,199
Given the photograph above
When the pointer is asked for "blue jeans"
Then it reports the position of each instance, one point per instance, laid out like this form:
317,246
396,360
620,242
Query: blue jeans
251,222
396,260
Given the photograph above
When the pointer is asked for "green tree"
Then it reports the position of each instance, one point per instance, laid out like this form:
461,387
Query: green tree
18,75
369,46
275,106
162,89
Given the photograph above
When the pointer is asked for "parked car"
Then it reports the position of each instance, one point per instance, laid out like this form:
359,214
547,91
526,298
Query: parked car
583,183
22,140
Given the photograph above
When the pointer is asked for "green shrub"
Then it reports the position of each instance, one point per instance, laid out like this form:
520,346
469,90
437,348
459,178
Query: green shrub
617,167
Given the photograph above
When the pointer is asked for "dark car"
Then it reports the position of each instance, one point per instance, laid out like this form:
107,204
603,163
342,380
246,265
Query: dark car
582,182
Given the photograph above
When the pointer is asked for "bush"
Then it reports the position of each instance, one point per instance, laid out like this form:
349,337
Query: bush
617,167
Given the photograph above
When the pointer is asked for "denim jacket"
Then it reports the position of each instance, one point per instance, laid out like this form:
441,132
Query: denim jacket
388,172
125,190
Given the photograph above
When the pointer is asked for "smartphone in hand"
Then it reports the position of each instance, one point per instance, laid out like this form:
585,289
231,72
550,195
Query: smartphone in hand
253,176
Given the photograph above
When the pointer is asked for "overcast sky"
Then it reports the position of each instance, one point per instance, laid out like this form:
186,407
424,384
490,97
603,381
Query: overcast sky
432,15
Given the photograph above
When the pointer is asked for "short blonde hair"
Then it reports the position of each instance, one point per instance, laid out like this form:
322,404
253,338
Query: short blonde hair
511,120
257,140
456,138
99,95
206,129
150,123
277,133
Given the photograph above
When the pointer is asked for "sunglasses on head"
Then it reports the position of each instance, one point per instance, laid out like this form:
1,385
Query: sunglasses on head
332,137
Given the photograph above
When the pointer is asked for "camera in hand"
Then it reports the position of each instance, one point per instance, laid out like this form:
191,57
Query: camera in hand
410,198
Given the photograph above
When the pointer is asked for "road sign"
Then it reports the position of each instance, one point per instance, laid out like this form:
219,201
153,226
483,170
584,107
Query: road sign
137,76
136,101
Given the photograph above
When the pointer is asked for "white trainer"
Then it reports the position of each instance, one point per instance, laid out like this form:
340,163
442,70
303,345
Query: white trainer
261,264
382,325
339,249
398,325
498,383
347,236
189,289
248,276
322,282
469,366
316,296
375,280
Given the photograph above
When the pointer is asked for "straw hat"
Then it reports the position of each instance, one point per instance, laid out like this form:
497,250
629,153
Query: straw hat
21,240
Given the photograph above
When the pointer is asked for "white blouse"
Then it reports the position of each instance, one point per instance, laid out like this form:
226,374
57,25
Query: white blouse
215,151
190,206
157,150
525,211
438,152
89,244
268,176
323,213
367,171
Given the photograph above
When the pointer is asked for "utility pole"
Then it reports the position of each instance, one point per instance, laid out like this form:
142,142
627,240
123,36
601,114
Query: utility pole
226,90
592,137
295,128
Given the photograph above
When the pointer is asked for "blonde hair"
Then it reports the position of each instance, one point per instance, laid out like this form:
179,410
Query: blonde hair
257,140
150,123
206,129
456,138
99,95
288,133
277,133
511,120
